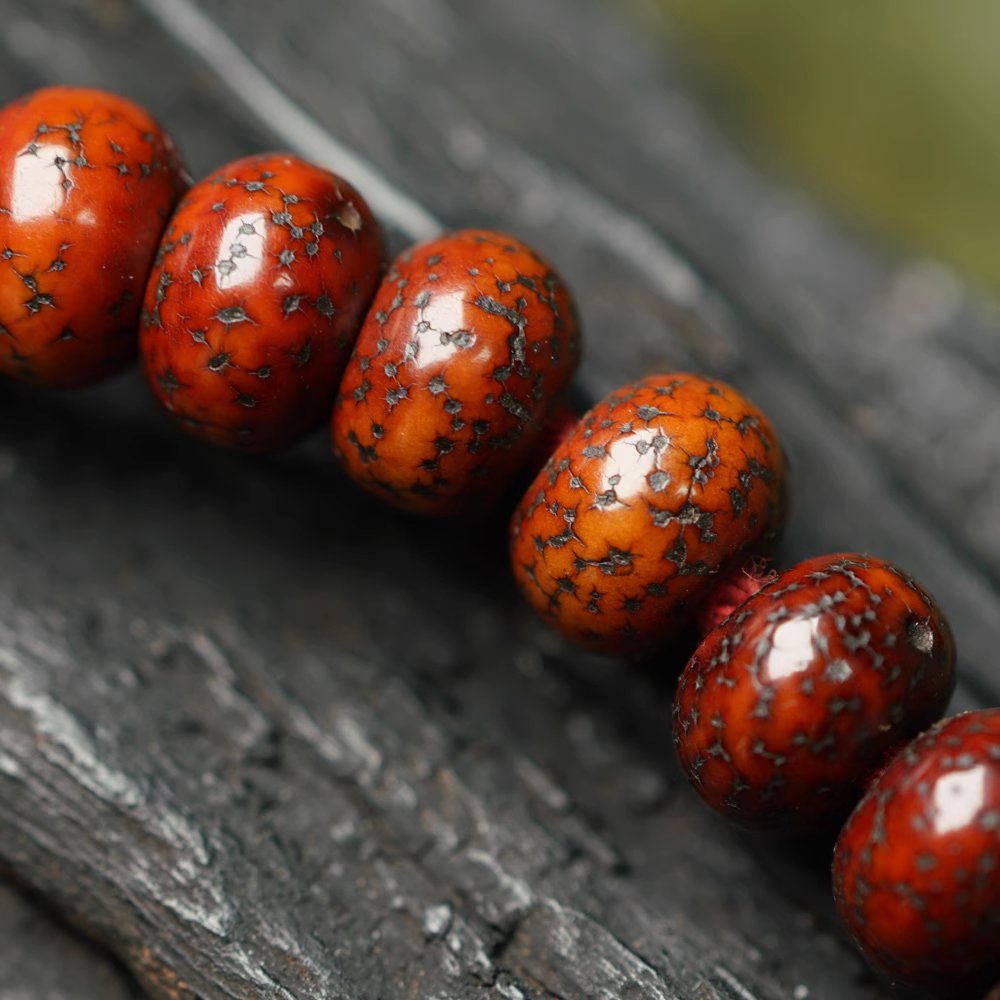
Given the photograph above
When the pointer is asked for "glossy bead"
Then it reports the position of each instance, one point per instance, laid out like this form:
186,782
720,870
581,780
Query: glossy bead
916,869
259,288
794,700
87,181
469,340
660,487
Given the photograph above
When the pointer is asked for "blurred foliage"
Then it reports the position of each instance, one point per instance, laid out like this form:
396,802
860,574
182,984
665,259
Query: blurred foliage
889,108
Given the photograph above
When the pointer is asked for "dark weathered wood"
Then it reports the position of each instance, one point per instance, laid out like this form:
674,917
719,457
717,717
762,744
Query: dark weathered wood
203,760
42,960
248,721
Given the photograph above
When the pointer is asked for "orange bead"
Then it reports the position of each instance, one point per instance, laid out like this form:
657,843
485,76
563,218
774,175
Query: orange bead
470,339
87,181
259,288
661,486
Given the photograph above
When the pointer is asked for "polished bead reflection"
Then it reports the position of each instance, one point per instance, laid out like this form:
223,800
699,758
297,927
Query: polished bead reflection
41,183
959,799
792,651
239,259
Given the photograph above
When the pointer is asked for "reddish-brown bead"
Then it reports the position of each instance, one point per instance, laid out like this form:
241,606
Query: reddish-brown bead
915,869
794,700
660,487
87,181
559,424
469,340
259,288
730,591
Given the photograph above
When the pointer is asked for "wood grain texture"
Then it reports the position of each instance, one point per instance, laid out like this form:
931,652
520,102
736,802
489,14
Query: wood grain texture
265,739
41,959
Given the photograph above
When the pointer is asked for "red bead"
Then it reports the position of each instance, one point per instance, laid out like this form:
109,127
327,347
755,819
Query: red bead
793,701
260,285
916,869
87,181
660,487
469,340
731,591
560,423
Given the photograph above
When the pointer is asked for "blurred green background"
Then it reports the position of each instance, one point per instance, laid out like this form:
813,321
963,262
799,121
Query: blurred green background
889,109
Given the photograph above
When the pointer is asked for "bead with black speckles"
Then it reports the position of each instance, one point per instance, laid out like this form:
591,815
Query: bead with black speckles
664,484
470,340
87,182
916,869
792,702
257,293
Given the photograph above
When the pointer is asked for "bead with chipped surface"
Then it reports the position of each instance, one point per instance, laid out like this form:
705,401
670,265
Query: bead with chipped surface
87,182
470,339
915,867
788,706
660,487
259,288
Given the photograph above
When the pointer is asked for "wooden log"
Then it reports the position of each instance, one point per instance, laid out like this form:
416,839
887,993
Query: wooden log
264,739
204,763
42,959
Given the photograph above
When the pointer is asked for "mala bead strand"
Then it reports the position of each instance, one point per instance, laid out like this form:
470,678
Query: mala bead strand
265,308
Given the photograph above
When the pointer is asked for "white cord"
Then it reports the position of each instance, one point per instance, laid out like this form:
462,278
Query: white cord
295,126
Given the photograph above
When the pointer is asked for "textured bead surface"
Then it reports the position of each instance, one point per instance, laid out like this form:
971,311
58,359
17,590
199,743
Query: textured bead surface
87,181
915,870
260,285
661,486
788,706
470,339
